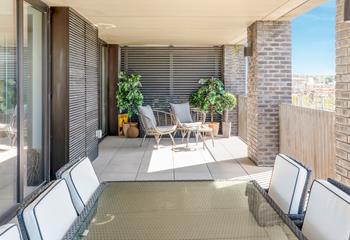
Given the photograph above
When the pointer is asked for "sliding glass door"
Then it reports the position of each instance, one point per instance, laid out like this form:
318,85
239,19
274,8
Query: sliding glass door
33,83
24,97
8,103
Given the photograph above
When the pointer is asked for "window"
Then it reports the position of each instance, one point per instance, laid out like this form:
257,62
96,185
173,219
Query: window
8,106
33,98
23,102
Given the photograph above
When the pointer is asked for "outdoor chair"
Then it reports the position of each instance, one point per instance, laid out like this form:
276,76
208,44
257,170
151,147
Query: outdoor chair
187,120
49,215
288,187
10,232
328,211
82,182
157,127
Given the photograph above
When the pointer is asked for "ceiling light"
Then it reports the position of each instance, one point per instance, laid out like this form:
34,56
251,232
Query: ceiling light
105,25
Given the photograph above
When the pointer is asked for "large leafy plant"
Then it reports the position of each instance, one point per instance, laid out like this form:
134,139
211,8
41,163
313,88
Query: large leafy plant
129,96
208,98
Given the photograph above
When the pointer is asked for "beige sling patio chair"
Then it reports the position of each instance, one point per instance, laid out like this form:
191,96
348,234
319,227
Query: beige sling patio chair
156,123
187,119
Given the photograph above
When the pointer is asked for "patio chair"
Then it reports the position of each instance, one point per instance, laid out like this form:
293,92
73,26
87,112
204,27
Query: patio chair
82,182
50,214
288,188
328,211
288,185
183,115
10,232
152,127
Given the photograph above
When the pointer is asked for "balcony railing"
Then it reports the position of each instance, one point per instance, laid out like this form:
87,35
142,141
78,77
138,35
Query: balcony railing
307,135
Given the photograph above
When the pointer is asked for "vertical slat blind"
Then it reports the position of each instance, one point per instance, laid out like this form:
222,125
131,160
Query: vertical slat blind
171,74
83,77
91,88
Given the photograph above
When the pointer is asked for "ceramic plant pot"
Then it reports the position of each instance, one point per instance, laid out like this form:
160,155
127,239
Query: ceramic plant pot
126,126
226,129
215,126
133,131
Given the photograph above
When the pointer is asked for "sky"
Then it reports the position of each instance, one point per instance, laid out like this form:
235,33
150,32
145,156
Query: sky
313,41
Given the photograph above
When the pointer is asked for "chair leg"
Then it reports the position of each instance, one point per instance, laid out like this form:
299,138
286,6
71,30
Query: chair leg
197,136
172,139
212,138
188,138
183,135
203,139
157,138
143,140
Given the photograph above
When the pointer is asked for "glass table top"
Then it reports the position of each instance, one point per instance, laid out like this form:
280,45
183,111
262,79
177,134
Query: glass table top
185,210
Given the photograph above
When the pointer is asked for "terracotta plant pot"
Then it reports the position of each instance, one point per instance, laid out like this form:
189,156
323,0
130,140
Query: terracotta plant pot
215,126
226,129
133,131
126,126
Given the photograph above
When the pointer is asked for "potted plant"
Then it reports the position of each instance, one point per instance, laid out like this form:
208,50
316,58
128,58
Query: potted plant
208,98
129,99
229,102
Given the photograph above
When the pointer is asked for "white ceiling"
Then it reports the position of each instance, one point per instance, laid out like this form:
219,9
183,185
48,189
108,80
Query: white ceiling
182,22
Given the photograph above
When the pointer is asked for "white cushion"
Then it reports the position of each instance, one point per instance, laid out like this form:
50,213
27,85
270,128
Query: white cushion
328,213
182,112
9,232
82,182
50,215
150,119
288,184
167,128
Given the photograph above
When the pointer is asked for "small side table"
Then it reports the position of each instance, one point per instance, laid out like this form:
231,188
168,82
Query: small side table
200,131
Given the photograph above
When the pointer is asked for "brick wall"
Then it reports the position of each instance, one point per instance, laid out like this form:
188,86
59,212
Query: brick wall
269,84
234,77
342,110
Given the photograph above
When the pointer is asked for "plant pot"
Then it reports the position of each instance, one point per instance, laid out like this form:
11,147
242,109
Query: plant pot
226,129
133,131
215,126
126,126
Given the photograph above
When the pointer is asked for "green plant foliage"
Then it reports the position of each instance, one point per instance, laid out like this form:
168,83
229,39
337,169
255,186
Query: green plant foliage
129,96
208,98
229,101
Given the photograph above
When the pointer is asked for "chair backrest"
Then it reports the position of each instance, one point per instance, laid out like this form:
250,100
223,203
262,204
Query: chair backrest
182,112
51,214
82,182
288,186
147,117
10,232
328,212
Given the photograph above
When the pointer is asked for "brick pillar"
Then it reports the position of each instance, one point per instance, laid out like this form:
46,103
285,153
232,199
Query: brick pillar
269,84
234,77
342,109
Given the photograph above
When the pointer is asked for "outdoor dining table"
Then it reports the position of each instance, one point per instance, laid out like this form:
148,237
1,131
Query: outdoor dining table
186,210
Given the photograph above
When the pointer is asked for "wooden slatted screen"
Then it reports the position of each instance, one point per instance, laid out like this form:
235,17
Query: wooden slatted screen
91,90
83,95
171,74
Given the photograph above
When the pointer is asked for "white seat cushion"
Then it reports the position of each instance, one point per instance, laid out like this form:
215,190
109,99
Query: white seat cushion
167,128
9,232
51,214
328,213
82,182
288,182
